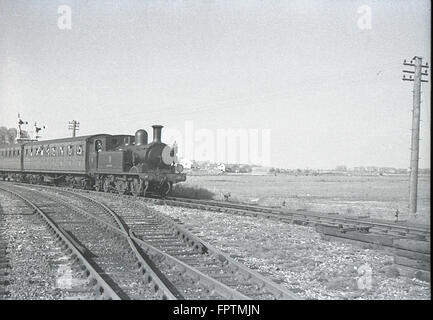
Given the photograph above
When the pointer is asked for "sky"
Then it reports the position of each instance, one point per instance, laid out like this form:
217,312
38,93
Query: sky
327,91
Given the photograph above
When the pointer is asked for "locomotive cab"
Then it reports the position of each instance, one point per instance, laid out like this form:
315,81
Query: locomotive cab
110,153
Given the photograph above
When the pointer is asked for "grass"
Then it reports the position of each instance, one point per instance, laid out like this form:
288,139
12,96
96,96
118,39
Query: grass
376,196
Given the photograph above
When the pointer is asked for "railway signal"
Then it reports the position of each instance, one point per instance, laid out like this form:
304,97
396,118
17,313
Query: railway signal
74,125
415,75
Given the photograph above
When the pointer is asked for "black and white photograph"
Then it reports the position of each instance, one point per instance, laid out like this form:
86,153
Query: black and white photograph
231,151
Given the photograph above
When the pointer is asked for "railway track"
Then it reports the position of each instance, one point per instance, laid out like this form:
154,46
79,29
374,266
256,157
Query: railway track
68,249
4,261
409,243
367,230
191,268
102,253
363,224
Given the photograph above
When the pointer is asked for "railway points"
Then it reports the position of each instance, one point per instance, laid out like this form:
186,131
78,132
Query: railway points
189,267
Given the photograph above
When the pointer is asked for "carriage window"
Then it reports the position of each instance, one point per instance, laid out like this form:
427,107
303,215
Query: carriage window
61,151
53,151
31,152
98,145
18,152
70,150
38,151
80,150
47,151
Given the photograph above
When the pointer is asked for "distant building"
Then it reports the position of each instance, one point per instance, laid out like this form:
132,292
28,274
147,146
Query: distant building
341,168
221,167
245,169
234,168
186,163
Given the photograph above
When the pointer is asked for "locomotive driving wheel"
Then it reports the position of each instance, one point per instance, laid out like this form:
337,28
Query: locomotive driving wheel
136,187
107,185
121,186
98,184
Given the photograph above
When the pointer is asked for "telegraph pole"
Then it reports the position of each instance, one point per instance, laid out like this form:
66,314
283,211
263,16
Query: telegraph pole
415,75
74,125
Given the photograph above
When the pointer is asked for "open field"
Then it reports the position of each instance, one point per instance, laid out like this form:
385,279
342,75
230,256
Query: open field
377,196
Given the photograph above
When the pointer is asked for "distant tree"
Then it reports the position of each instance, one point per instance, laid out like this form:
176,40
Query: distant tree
12,134
8,136
3,134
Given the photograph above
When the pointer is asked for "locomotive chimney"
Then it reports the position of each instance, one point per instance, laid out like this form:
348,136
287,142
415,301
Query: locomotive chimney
157,133
140,137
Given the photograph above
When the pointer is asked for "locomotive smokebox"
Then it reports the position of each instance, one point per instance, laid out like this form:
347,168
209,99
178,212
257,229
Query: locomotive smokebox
140,137
157,133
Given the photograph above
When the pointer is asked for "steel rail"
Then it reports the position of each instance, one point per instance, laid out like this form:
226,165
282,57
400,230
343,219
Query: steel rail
278,291
189,238
278,214
162,287
101,286
214,285
287,216
210,282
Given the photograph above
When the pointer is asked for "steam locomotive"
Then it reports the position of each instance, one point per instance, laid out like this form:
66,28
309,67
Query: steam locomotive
110,163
